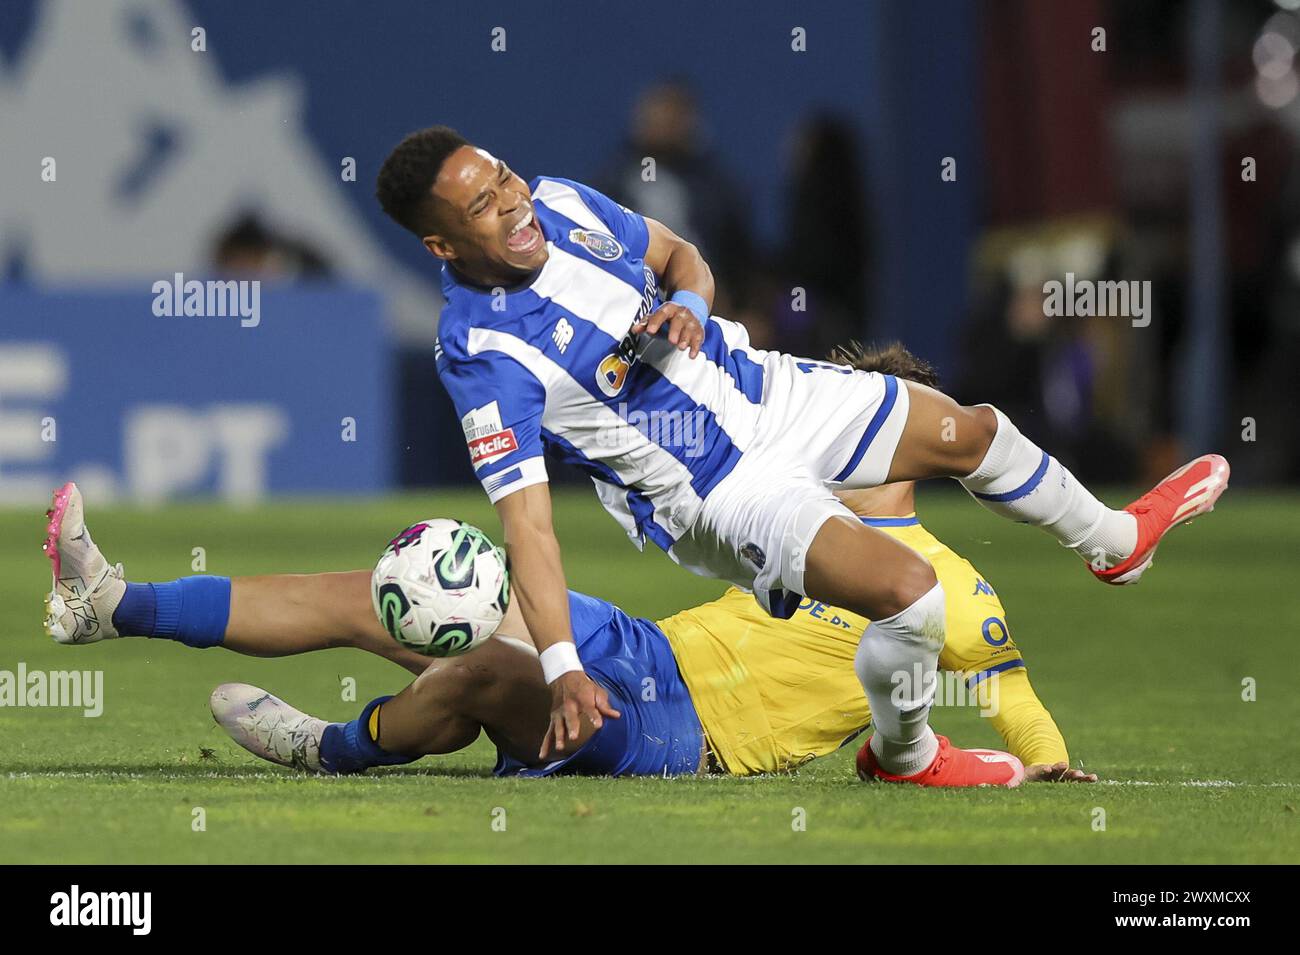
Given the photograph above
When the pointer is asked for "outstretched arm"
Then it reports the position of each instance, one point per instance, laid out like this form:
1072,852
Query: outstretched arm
1030,732
686,276
537,576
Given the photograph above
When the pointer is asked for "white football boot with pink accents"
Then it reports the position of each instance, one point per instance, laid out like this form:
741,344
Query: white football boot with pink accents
87,589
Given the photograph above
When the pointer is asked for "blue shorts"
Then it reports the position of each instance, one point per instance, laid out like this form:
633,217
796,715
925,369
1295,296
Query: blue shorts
659,733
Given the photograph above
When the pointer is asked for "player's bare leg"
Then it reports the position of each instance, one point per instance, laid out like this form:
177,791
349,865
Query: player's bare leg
283,614
257,616
834,570
898,656
941,437
1011,476
499,688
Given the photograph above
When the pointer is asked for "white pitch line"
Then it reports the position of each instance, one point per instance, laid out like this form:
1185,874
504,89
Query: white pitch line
168,777
380,779
1197,783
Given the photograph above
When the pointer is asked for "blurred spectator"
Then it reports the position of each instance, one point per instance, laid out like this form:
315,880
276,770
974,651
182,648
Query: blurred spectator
1063,380
826,240
690,191
249,248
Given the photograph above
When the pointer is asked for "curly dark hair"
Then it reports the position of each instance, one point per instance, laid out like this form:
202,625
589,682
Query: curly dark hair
407,176
889,359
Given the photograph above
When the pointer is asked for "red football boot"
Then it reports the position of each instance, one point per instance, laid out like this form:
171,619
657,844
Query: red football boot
951,767
1187,493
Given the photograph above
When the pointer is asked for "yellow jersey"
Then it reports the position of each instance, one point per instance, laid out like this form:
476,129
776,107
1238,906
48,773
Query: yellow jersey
772,694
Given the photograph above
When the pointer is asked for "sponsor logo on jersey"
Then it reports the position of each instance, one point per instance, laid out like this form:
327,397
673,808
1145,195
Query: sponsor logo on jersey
487,438
480,422
492,448
611,374
648,293
600,245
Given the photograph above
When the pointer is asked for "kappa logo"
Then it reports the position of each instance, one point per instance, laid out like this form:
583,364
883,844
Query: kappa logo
487,438
601,245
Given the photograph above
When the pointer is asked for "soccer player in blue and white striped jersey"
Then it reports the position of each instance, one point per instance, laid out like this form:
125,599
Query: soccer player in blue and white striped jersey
576,325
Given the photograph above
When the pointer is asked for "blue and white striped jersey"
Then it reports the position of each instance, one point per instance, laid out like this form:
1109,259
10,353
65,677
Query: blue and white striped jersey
551,364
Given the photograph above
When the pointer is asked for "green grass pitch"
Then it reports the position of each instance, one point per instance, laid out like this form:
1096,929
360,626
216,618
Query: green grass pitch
1146,683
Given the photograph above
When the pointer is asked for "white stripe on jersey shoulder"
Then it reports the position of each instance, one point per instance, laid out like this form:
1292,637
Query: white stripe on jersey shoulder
565,200
586,291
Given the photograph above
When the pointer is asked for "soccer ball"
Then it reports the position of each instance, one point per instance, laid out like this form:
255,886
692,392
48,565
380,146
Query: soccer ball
441,587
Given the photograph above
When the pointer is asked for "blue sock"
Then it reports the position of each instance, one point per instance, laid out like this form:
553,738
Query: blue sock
193,610
348,748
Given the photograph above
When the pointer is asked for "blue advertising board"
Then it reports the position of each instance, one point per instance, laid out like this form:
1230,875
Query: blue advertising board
269,389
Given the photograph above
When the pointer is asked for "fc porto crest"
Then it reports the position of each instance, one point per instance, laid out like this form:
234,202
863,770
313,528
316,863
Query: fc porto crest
601,245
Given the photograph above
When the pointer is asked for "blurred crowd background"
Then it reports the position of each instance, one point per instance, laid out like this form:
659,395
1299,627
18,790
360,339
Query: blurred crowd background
892,170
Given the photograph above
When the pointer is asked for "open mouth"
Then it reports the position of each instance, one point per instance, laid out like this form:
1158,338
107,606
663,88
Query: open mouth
525,238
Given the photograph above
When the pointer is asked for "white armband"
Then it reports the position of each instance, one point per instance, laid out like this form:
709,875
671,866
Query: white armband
559,659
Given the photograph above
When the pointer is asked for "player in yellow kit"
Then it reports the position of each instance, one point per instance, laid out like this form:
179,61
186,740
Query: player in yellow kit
774,694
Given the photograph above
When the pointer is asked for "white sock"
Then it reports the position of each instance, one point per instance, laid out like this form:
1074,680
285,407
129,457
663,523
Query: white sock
1019,480
896,662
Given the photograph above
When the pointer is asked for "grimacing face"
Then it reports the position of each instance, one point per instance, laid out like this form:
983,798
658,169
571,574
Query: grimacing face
488,226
